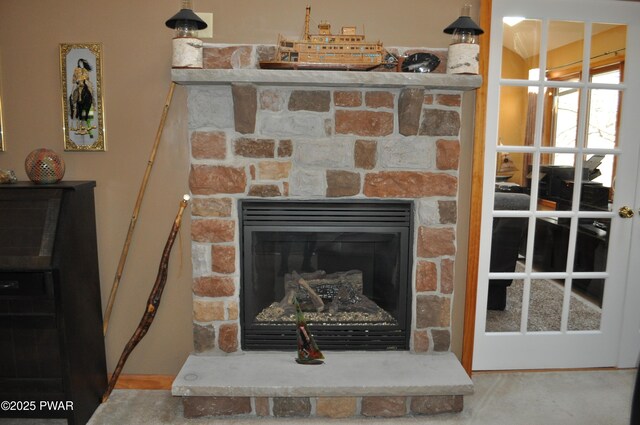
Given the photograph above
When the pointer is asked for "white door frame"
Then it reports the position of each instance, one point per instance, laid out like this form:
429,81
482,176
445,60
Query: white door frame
630,338
626,334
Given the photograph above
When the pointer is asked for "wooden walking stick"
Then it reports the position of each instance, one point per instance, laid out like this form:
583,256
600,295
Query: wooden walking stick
136,210
152,303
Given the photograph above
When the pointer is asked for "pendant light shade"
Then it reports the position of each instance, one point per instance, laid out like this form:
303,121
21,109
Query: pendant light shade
464,23
186,15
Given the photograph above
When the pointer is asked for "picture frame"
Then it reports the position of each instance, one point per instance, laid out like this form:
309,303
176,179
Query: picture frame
82,106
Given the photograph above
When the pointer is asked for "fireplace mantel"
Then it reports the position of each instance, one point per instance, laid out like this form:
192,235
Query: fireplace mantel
326,78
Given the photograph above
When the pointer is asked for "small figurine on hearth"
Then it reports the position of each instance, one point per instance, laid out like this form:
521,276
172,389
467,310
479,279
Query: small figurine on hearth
308,351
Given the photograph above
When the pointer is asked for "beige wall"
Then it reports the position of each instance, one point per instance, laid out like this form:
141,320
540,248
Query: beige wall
136,78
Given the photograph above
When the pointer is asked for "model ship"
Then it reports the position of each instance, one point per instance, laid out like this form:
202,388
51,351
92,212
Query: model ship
324,50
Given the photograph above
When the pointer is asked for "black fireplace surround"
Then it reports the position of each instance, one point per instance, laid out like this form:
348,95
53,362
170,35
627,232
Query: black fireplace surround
355,255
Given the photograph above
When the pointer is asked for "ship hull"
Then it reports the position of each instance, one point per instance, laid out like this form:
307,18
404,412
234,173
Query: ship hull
317,66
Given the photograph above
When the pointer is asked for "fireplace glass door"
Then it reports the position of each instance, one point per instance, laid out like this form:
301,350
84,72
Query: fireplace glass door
347,264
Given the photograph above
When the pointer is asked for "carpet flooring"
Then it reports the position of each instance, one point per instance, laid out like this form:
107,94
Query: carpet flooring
545,309
511,398
589,397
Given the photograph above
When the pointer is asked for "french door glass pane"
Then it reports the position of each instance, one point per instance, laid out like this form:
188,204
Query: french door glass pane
551,244
565,47
508,241
598,183
545,305
555,185
511,175
508,319
608,45
589,292
585,311
512,116
521,48
561,123
603,114
592,244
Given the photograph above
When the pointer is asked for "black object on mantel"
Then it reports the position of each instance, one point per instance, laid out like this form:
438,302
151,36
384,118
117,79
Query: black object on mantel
51,344
420,62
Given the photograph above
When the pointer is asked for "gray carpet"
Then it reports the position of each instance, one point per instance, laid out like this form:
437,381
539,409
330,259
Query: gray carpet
510,398
545,309
589,397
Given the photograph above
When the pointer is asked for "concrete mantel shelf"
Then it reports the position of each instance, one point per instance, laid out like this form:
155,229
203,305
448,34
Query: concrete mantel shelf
326,78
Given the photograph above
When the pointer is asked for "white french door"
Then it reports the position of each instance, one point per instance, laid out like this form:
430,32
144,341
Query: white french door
559,267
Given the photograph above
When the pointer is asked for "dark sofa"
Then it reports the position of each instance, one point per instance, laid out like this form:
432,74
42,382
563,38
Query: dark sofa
507,237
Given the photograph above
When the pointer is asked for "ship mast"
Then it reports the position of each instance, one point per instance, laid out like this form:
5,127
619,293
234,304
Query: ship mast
307,18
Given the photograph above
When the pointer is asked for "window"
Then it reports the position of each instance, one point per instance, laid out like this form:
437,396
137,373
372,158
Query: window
602,119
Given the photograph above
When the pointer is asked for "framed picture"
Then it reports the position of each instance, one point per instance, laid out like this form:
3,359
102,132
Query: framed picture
82,114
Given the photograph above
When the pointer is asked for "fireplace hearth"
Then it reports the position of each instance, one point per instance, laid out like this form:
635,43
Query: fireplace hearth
347,263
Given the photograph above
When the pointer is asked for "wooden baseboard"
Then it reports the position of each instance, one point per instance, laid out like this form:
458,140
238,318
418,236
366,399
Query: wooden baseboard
145,382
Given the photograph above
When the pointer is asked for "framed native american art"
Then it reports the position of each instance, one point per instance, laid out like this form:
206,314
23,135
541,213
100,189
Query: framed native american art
82,113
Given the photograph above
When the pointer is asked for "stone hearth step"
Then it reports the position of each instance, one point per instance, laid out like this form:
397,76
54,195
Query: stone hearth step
383,384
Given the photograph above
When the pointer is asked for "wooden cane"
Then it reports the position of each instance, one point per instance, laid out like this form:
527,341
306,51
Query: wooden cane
153,302
136,210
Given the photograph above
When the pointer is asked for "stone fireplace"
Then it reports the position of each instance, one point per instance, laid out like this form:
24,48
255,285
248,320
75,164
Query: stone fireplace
298,136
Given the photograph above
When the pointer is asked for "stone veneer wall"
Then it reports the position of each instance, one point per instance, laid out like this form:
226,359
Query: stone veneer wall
313,143
322,407
282,142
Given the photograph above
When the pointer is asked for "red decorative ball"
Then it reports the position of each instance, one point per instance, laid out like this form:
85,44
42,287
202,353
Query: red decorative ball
44,166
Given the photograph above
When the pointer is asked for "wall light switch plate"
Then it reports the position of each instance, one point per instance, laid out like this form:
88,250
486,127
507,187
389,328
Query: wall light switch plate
208,31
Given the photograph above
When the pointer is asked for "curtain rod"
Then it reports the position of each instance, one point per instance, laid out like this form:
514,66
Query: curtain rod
610,52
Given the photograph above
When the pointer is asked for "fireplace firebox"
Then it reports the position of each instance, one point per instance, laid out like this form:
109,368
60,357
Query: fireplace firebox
346,262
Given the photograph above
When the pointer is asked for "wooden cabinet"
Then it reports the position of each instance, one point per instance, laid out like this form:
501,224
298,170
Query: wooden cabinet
51,343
